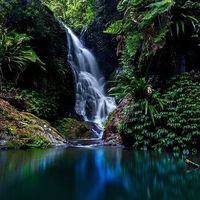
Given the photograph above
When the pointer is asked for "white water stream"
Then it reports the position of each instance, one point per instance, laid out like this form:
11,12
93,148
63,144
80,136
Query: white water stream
91,101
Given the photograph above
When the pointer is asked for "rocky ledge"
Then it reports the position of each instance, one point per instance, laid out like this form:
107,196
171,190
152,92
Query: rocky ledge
112,135
24,130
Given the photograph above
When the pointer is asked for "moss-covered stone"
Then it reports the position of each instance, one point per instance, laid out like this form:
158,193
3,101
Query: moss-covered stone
72,129
24,130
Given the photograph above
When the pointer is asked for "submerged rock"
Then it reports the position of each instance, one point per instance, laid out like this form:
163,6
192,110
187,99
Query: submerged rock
24,130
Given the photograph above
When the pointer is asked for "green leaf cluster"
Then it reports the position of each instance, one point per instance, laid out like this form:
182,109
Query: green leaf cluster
177,124
16,53
75,13
43,104
147,26
139,91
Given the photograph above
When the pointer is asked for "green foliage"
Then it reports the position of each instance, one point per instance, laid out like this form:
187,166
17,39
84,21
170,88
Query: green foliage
4,9
136,127
185,16
79,13
16,53
43,104
75,13
116,27
46,38
177,125
182,113
132,43
141,18
122,83
36,28
36,142
154,10
140,91
147,25
153,31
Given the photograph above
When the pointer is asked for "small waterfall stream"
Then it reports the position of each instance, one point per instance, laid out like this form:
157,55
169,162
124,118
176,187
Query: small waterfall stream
91,101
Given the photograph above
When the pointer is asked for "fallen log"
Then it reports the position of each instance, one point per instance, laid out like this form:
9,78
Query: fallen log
192,164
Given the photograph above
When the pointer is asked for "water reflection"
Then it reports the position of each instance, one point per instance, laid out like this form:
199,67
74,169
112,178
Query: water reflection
23,162
122,174
95,174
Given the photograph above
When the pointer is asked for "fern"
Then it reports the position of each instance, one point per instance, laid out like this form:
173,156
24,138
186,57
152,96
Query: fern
116,28
16,53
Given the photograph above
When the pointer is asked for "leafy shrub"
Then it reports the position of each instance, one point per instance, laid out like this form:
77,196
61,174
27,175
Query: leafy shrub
177,126
77,14
181,117
150,29
43,104
140,91
15,54
135,127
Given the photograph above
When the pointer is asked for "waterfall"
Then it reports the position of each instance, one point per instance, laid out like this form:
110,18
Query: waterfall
91,100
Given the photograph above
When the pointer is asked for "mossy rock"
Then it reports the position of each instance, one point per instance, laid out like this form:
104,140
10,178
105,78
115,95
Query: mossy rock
73,129
24,130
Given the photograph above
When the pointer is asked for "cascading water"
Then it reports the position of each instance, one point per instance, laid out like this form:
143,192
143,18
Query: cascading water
91,101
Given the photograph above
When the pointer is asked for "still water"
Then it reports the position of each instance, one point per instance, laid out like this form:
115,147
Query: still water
95,174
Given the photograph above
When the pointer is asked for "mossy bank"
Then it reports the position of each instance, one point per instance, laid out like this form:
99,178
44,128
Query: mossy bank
25,130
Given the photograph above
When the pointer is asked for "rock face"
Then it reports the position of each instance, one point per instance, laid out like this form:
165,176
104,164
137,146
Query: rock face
24,130
49,41
112,135
103,45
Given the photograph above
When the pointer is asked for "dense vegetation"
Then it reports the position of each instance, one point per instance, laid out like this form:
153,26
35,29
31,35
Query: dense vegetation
77,14
151,31
33,57
154,43
175,124
34,74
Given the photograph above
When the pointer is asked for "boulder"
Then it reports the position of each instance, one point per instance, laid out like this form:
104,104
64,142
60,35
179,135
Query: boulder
112,135
72,129
24,130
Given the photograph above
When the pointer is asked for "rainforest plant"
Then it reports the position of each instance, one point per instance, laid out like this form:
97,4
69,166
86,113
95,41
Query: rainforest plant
147,26
151,35
15,54
75,13
140,91
42,103
177,124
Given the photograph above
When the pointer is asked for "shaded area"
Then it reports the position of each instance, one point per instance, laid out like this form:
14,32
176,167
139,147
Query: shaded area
49,42
24,130
90,173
